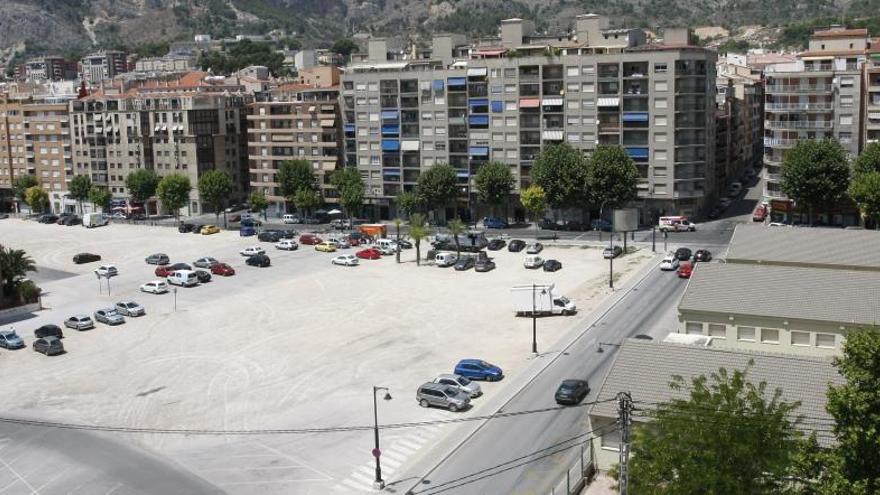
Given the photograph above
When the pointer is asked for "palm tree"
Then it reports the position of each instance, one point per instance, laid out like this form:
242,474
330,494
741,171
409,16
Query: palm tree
418,231
397,222
456,227
14,264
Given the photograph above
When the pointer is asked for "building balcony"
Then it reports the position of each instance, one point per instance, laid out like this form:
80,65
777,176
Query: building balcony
772,177
798,107
780,143
798,88
798,124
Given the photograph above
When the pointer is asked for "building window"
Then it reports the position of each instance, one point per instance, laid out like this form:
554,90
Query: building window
510,106
825,340
660,155
846,120
573,104
572,71
661,86
510,121
587,69
510,88
573,87
718,331
769,336
660,68
746,334
846,101
659,137
846,82
845,137
661,103
693,328
800,338
509,72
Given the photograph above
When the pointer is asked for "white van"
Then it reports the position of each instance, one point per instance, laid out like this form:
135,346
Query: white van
288,219
184,278
94,220
387,244
445,259
533,261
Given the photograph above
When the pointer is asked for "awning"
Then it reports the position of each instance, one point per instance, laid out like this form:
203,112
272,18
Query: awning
477,72
390,129
490,53
818,57
328,166
390,145
497,106
552,135
478,151
478,120
478,102
388,115
529,102
456,81
391,172
410,145
462,174
311,109
637,152
635,116
552,102
350,128
438,85
327,122
608,102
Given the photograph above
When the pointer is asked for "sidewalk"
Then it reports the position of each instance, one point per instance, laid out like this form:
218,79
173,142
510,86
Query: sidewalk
601,485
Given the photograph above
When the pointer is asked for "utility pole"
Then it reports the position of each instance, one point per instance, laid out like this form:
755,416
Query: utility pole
611,264
534,323
624,408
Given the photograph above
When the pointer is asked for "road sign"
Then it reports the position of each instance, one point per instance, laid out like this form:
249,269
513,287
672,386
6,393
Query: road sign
377,453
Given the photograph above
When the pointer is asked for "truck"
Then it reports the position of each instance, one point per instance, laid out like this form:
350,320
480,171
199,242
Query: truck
94,220
544,299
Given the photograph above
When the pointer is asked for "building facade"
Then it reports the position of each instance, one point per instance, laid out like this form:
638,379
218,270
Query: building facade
46,69
103,65
166,64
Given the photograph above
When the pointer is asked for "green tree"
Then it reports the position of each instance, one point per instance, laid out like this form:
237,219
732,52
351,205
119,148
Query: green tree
563,172
728,437
37,199
14,264
815,173
868,160
865,191
409,202
397,223
534,200
215,186
22,184
418,231
100,196
456,227
258,202
142,184
613,177
306,199
173,191
494,182
350,186
438,186
294,175
344,47
79,189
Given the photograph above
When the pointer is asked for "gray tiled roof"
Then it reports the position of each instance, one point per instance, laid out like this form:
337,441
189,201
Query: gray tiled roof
832,248
821,294
645,368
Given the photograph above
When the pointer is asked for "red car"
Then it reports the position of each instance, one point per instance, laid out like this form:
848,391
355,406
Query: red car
369,254
310,239
685,269
354,242
164,270
760,213
222,269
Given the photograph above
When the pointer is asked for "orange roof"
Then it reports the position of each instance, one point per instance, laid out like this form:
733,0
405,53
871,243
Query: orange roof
841,33
294,87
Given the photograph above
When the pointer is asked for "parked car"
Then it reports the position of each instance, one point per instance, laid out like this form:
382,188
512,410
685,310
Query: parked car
369,254
183,228
49,330
464,263
287,245
196,228
247,231
268,236
760,213
601,224
10,340
534,248
471,388
163,271
72,220
340,243
252,250
533,261
549,224
484,265
183,278
260,260
236,207
81,258
702,255
251,222
106,271
670,262
445,396
222,269
325,247
685,269
205,262
404,244
158,259
683,254
552,266
109,316
50,346
572,391
179,266
494,223
516,246
287,233
79,322
155,287
477,369
345,260
47,218
310,239
290,219
612,252
130,308
204,276
210,229
496,244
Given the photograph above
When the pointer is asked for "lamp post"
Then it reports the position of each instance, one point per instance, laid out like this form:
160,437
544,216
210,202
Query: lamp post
174,291
653,239
378,483
535,319
611,264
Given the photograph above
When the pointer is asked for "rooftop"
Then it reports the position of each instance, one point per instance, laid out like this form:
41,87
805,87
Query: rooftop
841,33
645,368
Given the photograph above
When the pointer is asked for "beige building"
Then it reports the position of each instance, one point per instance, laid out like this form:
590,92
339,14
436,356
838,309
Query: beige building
740,122
102,65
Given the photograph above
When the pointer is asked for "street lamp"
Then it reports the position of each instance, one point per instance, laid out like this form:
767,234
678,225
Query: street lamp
378,483
611,263
174,291
535,319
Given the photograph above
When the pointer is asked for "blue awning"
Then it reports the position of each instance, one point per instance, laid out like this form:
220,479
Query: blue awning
497,106
349,127
438,85
391,172
462,174
637,152
478,102
478,151
391,129
389,115
635,116
456,82
390,145
478,120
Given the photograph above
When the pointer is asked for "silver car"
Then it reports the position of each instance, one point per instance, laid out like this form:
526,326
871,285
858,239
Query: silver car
206,262
471,388
79,322
109,316
130,308
445,396
10,340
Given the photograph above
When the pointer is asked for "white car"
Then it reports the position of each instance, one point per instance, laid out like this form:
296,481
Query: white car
533,261
670,262
387,250
345,260
287,245
106,271
155,287
340,244
252,250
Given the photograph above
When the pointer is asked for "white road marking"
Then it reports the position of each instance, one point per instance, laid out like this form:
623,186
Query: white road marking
19,476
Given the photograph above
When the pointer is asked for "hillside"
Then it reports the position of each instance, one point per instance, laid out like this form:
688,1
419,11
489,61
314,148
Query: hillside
72,26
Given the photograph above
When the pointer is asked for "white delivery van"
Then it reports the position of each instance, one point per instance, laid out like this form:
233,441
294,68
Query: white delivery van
288,219
387,244
183,278
94,220
444,260
533,261
543,298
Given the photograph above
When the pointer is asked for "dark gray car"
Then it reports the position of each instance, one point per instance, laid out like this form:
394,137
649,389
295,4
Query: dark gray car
445,396
49,346
158,259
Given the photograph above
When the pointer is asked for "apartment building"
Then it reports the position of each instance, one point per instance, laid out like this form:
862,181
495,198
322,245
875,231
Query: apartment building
46,69
35,140
871,114
506,100
102,65
817,96
295,122
167,64
739,122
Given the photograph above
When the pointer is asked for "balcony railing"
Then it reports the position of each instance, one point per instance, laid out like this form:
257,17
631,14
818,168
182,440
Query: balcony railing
818,68
798,124
779,142
770,176
799,88
789,107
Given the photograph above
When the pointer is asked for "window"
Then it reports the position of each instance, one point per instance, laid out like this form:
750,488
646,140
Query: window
439,100
588,104
660,68
800,338
846,82
510,88
497,122
587,69
693,328
746,334
428,145
660,103
428,131
769,336
495,73
825,340
511,154
846,120
573,120
573,87
588,87
497,136
573,104
845,137
510,121
509,72
572,71
589,137
510,106
659,171
573,137
660,155
588,120
846,101
510,137
661,86
659,137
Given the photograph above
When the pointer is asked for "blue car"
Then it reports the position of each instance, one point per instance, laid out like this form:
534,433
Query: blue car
494,223
477,369
247,231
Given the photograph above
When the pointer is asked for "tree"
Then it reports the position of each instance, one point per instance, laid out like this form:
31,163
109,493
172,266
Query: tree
868,160
437,186
865,191
494,182
215,186
22,184
100,196
36,198
727,437
534,200
258,202
409,202
613,177
173,191
14,264
563,172
418,231
142,184
344,47
815,173
397,223
305,199
294,175
79,189
456,227
350,186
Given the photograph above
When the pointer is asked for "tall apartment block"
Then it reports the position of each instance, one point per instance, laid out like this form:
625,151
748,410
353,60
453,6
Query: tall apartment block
817,96
35,140
103,65
871,115
506,100
739,121
295,122
46,69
